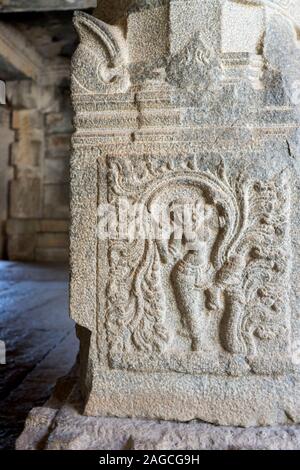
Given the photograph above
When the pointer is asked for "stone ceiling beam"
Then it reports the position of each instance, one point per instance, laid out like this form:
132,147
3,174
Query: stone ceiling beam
18,58
10,6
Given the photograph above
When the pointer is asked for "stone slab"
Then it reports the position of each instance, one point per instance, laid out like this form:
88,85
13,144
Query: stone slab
61,426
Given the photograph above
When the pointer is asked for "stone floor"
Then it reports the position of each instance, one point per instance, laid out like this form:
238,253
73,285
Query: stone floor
40,340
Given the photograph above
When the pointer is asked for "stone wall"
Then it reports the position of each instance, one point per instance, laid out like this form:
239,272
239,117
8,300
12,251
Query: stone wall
35,129
38,203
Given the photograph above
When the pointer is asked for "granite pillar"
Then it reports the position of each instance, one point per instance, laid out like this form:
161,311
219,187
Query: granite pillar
188,108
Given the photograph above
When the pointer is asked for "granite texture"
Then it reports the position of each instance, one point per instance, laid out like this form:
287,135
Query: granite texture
60,425
195,104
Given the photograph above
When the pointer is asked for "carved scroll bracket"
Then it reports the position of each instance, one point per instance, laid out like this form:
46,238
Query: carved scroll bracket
100,61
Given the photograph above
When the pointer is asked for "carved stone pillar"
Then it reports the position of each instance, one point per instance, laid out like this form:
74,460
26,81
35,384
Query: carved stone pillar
189,104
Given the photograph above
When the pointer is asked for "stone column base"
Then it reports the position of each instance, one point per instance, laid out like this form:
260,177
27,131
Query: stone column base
59,425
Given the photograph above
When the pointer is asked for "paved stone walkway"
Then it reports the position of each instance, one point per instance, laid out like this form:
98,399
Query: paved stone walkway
40,340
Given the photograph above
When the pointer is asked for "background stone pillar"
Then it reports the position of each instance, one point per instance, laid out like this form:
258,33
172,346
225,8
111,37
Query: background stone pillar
196,103
6,173
37,40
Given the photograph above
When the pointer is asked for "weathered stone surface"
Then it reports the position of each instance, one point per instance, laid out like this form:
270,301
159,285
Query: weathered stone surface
56,201
59,123
27,155
28,152
52,254
58,146
19,226
60,426
56,240
58,226
27,94
27,119
26,198
6,138
201,112
39,240
56,170
2,92
21,247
